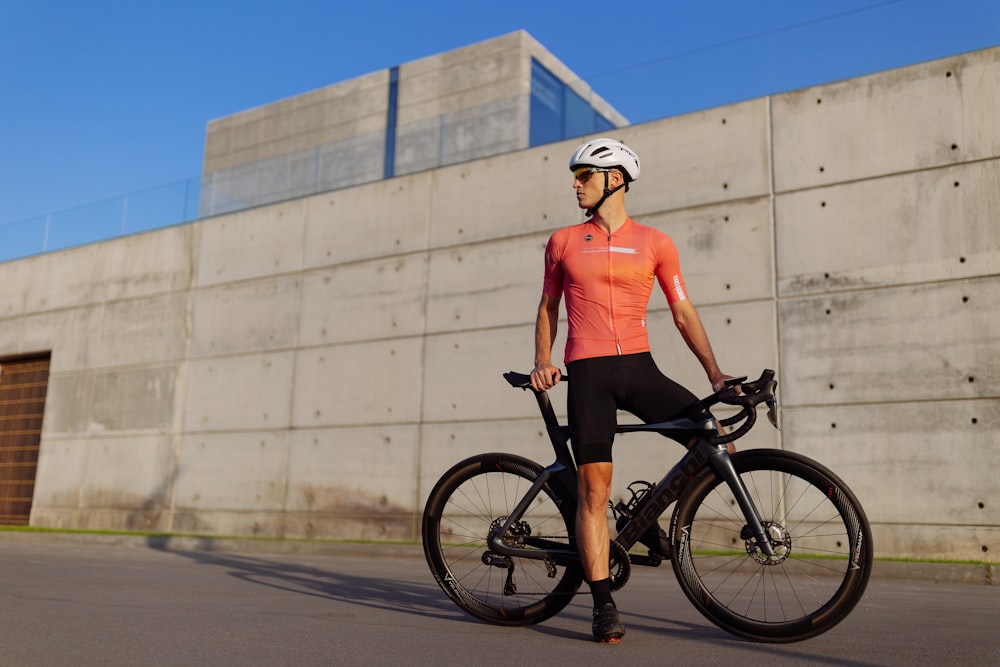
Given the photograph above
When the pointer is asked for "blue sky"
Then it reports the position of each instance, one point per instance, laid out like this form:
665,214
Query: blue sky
107,97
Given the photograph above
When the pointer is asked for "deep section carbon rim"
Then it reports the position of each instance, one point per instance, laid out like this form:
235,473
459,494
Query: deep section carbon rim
474,498
817,529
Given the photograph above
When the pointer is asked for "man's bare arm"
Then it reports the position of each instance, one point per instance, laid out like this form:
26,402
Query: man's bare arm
693,331
545,375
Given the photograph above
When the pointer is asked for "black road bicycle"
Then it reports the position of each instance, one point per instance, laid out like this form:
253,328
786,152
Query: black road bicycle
767,544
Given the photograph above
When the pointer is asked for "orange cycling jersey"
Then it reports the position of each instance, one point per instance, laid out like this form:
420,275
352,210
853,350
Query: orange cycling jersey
607,281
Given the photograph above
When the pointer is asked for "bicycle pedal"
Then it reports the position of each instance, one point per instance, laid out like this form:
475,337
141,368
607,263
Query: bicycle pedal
656,541
650,560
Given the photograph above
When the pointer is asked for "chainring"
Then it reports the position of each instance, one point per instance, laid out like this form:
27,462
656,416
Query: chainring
620,566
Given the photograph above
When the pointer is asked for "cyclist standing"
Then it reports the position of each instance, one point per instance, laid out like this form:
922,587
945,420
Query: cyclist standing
605,267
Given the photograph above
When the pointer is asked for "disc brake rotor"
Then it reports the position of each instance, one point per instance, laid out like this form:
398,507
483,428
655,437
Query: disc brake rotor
777,536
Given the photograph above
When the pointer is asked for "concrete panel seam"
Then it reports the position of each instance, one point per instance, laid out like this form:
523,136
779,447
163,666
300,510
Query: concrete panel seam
893,174
812,296
424,324
909,401
775,257
715,203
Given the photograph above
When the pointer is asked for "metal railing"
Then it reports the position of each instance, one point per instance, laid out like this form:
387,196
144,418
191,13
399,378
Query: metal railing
131,213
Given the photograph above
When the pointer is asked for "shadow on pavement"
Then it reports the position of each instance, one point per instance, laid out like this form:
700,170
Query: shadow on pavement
393,595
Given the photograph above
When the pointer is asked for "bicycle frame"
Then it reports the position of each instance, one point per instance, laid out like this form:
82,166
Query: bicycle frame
703,454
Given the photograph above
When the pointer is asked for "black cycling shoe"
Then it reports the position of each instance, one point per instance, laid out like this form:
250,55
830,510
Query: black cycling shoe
608,628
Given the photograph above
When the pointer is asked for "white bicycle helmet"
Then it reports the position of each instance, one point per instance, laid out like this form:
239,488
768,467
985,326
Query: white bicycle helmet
606,154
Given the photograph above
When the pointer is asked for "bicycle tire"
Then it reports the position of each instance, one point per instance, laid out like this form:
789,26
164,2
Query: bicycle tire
823,537
469,500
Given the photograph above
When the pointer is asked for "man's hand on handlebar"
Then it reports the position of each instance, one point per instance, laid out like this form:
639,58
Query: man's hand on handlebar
722,381
545,376
728,383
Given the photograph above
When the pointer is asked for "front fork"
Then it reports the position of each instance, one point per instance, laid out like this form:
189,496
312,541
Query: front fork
723,465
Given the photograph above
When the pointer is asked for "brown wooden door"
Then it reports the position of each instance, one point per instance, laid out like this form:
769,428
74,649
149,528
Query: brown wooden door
23,383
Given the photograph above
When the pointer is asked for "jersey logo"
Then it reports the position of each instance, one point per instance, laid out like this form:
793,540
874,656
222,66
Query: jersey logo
678,289
588,238
620,251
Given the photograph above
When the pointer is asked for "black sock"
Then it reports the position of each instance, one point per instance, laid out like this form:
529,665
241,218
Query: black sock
601,590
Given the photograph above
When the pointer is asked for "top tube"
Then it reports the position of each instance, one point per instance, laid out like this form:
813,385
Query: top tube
737,392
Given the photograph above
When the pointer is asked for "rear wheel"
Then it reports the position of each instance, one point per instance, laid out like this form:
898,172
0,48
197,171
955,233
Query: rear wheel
470,503
819,534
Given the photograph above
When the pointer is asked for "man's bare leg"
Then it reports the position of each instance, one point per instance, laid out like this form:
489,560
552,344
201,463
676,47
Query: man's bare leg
593,541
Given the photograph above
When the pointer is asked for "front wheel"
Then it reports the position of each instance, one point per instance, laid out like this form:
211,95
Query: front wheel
472,501
819,534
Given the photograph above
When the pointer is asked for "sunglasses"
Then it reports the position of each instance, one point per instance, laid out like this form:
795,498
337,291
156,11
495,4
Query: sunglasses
584,174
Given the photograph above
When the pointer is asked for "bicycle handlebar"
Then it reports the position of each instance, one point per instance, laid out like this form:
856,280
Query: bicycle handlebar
752,394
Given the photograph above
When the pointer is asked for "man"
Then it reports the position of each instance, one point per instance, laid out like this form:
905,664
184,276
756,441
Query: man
605,267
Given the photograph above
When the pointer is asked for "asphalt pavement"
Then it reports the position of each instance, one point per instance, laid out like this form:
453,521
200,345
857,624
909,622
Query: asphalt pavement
112,600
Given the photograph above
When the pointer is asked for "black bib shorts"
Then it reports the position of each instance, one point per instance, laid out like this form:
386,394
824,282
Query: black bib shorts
600,386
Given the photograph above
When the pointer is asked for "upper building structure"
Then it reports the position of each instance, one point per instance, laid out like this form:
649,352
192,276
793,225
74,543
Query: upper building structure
494,97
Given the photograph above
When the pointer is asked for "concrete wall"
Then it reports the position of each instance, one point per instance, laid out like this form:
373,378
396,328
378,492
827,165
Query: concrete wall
888,272
310,368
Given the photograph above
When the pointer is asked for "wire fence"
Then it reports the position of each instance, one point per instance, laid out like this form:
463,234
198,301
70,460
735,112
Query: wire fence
131,213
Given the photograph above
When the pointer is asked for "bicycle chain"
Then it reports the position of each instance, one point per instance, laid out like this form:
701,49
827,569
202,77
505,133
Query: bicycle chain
620,569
